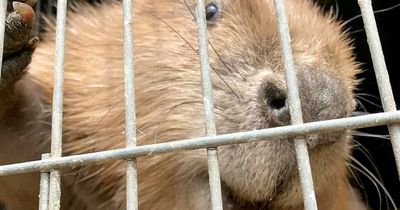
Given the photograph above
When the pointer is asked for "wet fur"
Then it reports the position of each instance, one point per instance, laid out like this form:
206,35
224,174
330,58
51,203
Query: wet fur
245,54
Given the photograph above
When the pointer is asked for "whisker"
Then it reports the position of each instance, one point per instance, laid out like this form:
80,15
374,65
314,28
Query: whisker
229,69
191,46
369,95
87,139
372,181
373,178
371,135
368,101
168,112
229,87
358,180
188,8
375,12
360,104
224,63
368,155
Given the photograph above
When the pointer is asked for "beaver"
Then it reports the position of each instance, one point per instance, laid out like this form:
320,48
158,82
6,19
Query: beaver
249,94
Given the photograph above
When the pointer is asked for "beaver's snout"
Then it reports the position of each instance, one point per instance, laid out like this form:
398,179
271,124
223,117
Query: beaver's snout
322,98
258,172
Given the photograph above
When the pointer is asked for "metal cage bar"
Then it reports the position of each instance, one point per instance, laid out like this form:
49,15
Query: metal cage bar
57,114
130,115
44,187
303,160
204,142
382,76
3,13
37,13
208,106
49,7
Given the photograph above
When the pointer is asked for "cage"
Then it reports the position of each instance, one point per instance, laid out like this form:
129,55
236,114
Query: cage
51,163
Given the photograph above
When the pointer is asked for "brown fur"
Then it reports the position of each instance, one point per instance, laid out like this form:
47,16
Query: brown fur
168,96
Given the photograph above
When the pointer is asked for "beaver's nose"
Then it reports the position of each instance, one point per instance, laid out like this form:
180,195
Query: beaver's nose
322,97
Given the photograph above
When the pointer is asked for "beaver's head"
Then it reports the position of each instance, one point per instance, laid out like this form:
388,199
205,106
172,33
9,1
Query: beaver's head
250,93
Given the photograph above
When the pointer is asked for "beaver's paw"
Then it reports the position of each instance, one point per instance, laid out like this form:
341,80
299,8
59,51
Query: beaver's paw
19,41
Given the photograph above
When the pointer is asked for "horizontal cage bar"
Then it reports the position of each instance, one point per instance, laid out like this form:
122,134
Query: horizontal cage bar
204,142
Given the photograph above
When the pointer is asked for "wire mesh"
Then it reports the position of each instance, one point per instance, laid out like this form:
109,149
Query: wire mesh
391,117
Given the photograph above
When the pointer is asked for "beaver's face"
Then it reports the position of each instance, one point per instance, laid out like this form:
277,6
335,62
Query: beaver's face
250,93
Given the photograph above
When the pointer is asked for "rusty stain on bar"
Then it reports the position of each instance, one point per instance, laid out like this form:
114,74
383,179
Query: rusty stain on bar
382,76
130,116
303,160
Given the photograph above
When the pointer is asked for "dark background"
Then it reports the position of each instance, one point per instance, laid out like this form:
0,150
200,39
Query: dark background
374,149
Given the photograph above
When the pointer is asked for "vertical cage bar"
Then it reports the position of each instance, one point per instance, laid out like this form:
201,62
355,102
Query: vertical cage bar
44,187
130,116
49,7
3,13
208,106
37,12
382,76
303,161
57,114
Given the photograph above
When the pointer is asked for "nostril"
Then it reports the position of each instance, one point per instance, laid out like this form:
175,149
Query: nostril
274,103
276,97
277,101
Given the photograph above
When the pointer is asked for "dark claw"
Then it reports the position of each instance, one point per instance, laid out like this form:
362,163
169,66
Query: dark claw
26,12
28,2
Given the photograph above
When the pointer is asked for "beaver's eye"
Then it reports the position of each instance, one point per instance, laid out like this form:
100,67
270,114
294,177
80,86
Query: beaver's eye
212,12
